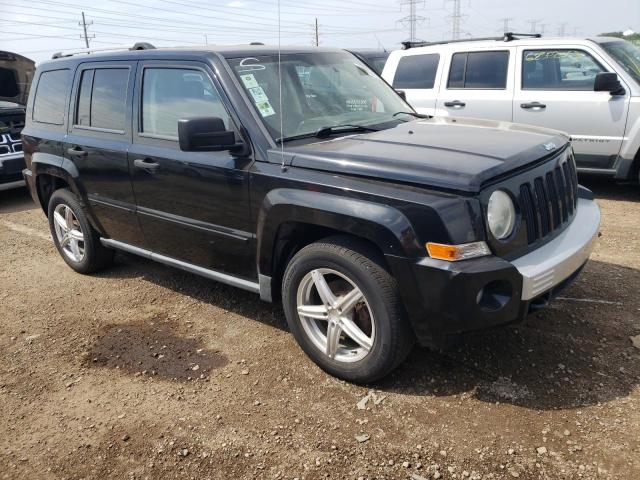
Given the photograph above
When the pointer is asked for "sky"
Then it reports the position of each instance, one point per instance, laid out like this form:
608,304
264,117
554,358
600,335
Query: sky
39,28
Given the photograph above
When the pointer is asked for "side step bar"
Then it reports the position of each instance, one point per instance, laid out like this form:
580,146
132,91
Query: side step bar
189,267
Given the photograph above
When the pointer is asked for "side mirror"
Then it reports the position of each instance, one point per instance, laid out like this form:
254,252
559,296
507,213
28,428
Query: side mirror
402,94
205,134
608,82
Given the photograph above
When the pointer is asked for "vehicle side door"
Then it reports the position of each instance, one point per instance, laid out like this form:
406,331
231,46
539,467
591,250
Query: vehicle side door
418,76
478,84
97,144
555,90
192,206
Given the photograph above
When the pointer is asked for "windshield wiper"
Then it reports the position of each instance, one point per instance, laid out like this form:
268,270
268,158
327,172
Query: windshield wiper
415,114
326,131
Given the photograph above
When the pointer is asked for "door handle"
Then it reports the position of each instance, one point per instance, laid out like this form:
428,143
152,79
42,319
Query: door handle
455,104
533,106
147,164
76,152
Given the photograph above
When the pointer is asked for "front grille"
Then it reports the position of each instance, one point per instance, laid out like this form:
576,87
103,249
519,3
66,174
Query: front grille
10,144
548,202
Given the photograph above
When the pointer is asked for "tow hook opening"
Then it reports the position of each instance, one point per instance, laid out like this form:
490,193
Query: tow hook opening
494,295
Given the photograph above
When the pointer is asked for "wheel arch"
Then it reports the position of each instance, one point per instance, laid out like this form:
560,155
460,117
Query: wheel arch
291,219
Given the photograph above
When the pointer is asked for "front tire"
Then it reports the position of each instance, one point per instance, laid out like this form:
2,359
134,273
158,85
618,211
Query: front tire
76,240
344,310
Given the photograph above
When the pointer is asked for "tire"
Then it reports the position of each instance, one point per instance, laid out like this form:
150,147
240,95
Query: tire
346,264
82,249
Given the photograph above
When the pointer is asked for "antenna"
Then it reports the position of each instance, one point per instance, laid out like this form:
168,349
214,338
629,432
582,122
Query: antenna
282,165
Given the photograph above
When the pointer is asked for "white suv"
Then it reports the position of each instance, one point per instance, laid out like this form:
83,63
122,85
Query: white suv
589,88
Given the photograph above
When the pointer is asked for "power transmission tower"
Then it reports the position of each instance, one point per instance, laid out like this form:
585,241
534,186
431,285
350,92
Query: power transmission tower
543,27
413,19
456,20
317,34
84,26
562,29
506,24
534,25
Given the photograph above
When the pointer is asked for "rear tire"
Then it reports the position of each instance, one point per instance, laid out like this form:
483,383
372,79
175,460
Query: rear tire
354,273
76,240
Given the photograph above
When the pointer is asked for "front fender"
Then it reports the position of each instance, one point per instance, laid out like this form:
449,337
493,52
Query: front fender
383,225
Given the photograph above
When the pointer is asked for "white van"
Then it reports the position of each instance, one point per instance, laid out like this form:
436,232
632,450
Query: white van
587,87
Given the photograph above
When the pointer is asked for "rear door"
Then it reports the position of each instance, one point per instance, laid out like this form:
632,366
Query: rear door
418,75
192,206
555,90
478,84
97,144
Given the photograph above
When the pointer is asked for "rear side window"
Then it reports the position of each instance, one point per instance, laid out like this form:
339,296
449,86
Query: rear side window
416,71
559,70
479,70
169,94
102,98
51,94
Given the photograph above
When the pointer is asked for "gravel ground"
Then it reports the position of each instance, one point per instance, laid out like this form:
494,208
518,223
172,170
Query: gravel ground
144,371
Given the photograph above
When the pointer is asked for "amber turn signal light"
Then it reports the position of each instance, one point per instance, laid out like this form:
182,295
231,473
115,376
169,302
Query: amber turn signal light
454,253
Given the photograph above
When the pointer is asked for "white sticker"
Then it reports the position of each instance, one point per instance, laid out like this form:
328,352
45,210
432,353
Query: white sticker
265,108
258,94
249,80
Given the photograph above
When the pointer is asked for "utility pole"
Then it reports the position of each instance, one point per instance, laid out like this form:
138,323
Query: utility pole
413,19
456,20
317,34
534,25
562,29
84,25
506,24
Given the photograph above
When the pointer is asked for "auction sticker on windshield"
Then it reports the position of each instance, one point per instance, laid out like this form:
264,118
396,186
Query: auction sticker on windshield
259,96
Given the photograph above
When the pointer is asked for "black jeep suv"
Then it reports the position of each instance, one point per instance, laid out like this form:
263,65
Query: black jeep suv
302,176
16,73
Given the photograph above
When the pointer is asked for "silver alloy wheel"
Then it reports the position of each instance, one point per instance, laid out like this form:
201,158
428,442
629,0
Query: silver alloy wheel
335,315
69,232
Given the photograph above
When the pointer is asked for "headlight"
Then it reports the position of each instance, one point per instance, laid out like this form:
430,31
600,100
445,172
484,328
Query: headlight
501,214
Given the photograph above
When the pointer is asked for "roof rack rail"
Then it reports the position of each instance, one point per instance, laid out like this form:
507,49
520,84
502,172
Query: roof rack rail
507,37
136,46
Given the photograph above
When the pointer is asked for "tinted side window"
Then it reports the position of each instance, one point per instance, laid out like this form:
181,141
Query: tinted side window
559,70
51,94
84,99
479,70
169,94
108,98
416,71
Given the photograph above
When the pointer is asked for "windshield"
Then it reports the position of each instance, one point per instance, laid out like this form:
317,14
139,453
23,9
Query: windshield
318,90
627,55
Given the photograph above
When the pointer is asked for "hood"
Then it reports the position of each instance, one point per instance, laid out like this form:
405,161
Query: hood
443,152
16,73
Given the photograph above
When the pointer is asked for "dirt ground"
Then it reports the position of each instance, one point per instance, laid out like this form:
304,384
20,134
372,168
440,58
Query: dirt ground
144,371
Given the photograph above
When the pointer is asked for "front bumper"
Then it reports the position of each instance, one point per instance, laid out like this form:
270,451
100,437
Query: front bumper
11,171
448,298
